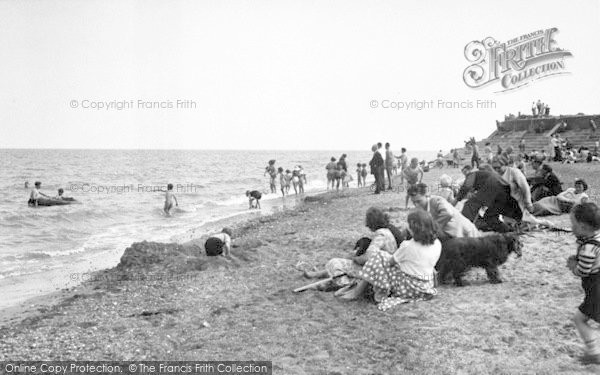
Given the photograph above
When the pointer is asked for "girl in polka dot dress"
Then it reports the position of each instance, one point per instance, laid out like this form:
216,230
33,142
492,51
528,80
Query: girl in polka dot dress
408,274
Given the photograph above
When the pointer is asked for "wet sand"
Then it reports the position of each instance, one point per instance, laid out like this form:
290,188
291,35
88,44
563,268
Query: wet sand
168,301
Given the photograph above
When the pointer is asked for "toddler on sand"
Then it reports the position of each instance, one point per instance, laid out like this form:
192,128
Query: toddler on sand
585,223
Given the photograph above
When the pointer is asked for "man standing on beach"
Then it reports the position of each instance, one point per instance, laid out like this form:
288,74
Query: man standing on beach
389,163
475,155
376,165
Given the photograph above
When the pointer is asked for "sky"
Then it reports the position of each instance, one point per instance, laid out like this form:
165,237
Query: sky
277,75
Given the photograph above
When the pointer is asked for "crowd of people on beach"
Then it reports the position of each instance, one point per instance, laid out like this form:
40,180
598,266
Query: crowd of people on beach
397,264
295,178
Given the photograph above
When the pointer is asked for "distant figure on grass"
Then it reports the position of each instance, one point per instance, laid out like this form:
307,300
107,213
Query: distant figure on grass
585,222
331,167
413,175
389,164
254,199
270,169
376,165
35,194
169,198
408,274
219,243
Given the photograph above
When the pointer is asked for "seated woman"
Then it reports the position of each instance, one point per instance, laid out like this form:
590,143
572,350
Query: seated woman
563,202
549,185
386,238
450,222
408,274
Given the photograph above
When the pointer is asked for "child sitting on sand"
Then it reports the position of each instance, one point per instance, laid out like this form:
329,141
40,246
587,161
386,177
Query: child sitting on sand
585,223
169,198
219,243
254,198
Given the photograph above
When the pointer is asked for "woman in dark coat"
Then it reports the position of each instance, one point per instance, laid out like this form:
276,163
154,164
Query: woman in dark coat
376,165
548,186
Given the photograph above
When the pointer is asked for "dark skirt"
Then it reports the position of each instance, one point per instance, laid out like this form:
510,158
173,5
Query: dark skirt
591,304
213,246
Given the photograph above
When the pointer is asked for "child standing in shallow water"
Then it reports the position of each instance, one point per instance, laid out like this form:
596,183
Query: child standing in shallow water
281,180
358,176
585,223
169,197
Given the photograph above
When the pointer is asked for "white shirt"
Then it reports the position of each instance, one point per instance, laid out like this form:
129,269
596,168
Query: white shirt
417,259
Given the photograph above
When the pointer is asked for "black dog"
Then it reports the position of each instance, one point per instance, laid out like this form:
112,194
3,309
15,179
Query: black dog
461,254
362,245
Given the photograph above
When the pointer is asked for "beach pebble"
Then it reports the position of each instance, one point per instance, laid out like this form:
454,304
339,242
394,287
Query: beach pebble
205,324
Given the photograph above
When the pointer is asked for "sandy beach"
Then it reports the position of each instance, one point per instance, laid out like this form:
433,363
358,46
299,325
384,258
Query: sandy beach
169,301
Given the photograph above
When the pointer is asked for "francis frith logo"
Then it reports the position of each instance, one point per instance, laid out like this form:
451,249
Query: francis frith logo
514,63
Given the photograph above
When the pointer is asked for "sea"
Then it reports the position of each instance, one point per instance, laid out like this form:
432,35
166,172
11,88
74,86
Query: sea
120,198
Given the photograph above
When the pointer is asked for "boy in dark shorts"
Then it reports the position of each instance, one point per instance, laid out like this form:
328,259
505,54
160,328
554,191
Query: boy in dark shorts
585,223
253,198
219,243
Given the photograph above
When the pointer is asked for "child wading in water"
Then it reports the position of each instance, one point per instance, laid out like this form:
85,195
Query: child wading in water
169,197
585,222
281,180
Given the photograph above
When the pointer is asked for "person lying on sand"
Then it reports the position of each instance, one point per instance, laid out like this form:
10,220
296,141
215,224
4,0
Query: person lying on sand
563,202
408,274
219,243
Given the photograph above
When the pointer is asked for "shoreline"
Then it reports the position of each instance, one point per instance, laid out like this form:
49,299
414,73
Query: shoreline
18,307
